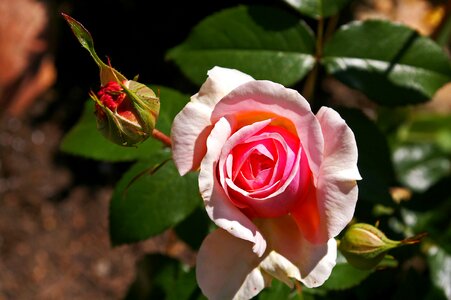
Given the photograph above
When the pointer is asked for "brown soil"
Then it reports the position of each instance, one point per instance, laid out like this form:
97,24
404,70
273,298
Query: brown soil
54,240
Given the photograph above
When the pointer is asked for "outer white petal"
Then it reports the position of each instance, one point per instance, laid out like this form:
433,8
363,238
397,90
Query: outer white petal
337,189
192,125
189,133
219,83
227,268
217,204
295,257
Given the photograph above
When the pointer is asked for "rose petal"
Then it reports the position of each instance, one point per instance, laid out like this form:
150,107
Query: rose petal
217,204
340,148
236,138
189,132
266,96
308,216
292,251
226,268
219,83
192,125
273,202
337,189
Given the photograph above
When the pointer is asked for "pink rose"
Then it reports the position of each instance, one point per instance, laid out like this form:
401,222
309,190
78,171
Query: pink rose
279,182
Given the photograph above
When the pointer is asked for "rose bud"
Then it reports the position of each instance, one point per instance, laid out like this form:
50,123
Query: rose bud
126,110
364,245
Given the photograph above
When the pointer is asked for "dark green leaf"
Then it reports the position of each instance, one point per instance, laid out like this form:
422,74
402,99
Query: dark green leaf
318,8
440,270
160,277
390,63
278,290
194,228
84,139
444,36
344,276
265,42
145,203
374,161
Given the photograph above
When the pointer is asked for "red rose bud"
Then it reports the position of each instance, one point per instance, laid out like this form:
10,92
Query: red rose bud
126,110
364,245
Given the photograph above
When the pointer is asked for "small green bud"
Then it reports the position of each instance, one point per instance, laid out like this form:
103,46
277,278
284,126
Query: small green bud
126,110
364,245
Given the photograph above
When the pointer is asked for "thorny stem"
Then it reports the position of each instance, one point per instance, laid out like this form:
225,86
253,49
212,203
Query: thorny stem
156,134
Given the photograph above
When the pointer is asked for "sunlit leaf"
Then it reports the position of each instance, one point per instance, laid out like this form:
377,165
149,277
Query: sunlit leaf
440,269
420,165
318,8
265,42
390,63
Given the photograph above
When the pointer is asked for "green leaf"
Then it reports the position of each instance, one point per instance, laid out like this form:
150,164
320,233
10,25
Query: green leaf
161,277
374,160
420,165
440,270
390,63
344,276
431,128
265,42
318,8
84,139
146,203
194,228
278,290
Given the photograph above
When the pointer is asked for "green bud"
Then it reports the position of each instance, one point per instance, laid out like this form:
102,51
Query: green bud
126,110
364,245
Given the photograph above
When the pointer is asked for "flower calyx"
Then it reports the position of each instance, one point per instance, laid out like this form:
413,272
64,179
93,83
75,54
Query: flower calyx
126,110
365,246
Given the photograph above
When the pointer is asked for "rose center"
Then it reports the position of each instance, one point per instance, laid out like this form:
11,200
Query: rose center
255,172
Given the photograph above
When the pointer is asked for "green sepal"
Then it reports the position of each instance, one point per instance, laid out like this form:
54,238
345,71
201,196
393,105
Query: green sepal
145,102
118,129
107,73
365,246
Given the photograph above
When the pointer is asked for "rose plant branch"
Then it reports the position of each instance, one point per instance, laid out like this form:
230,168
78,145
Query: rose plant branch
278,180
311,81
158,135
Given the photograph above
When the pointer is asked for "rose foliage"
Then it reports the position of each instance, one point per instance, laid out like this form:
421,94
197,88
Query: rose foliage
261,182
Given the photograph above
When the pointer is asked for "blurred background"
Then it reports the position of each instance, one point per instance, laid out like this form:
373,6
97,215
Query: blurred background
54,207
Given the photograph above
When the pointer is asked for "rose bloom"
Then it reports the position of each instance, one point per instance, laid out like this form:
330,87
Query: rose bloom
278,181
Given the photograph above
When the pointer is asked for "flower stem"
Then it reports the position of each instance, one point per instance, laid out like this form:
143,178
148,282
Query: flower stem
166,140
310,83
298,288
